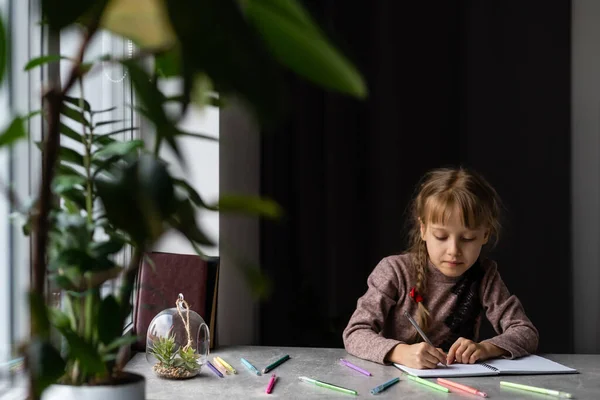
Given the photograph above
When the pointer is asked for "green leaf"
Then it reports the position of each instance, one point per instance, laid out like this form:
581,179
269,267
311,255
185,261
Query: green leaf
99,138
64,169
104,270
248,205
118,149
236,62
139,198
14,132
77,103
120,342
103,249
185,223
70,133
104,111
168,63
302,48
197,135
39,315
69,155
101,123
202,89
59,319
3,49
191,192
260,284
88,356
36,62
110,328
75,115
293,11
104,141
119,198
75,196
156,185
153,100
31,114
71,257
44,364
62,281
63,183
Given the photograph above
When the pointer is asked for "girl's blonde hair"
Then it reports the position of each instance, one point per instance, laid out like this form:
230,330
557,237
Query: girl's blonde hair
440,192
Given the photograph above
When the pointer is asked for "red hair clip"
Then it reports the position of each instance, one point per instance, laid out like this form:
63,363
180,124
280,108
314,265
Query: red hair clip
415,295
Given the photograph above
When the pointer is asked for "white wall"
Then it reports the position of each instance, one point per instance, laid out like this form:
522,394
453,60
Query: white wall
586,174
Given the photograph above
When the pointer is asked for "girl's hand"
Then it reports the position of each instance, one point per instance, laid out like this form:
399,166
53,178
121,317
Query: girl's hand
419,355
466,351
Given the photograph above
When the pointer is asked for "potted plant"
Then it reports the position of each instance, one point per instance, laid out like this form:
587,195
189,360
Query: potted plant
114,194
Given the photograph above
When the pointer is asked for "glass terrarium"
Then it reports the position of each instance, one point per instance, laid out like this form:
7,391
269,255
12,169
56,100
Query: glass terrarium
177,342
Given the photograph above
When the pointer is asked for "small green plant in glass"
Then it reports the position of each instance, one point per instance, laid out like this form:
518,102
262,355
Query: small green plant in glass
173,362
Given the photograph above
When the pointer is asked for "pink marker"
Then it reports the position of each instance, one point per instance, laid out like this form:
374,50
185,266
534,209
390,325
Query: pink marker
355,367
271,384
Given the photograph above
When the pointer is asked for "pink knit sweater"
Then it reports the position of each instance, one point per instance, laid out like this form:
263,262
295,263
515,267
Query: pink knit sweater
379,324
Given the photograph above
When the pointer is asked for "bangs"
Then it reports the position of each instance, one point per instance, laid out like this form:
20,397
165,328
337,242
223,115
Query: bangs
439,209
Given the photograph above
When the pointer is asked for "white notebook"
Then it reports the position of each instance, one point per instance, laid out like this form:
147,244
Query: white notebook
528,365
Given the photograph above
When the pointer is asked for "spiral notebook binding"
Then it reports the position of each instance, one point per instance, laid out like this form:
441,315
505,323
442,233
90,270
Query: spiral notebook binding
490,367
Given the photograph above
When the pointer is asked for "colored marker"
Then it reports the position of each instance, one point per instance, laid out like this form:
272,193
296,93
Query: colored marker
537,389
460,386
271,383
250,366
354,367
328,385
220,366
384,386
427,383
226,365
275,364
213,369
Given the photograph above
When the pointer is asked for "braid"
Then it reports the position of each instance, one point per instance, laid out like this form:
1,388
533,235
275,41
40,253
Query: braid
422,316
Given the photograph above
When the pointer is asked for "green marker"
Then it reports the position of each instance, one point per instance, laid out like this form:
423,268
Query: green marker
536,389
427,383
328,385
275,364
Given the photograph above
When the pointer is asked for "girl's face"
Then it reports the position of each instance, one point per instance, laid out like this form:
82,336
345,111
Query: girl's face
453,248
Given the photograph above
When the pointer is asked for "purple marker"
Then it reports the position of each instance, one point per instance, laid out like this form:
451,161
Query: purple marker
354,367
216,371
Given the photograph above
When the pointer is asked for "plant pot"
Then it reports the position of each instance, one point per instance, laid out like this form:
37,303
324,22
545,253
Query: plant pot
131,387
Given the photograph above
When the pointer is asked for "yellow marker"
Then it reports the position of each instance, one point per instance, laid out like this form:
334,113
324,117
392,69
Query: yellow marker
220,366
226,365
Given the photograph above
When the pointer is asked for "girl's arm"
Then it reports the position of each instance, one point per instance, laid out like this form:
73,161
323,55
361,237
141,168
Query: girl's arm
362,335
516,334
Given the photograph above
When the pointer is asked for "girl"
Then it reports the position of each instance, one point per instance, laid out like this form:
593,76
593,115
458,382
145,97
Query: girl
443,282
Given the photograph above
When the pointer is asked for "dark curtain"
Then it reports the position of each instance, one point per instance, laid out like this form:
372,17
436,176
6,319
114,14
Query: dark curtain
481,83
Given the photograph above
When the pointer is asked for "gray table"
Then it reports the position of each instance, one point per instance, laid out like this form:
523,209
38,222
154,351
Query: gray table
323,364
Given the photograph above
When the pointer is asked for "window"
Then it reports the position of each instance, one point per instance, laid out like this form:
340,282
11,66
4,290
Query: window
20,165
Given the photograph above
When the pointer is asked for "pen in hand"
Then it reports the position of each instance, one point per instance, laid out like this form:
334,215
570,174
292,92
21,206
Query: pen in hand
420,331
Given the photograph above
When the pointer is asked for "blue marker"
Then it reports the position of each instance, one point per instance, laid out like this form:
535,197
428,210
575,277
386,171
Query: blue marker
250,366
384,386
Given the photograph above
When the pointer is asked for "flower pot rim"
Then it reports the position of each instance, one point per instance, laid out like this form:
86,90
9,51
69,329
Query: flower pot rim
124,378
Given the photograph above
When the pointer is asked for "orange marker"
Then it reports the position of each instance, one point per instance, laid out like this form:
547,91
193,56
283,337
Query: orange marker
466,388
